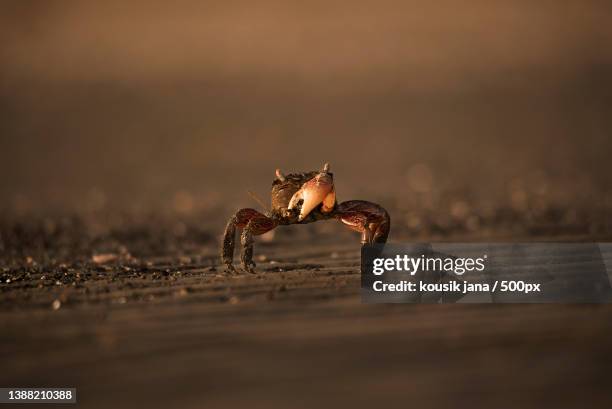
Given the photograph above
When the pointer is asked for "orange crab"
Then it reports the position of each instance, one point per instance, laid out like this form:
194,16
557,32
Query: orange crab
300,198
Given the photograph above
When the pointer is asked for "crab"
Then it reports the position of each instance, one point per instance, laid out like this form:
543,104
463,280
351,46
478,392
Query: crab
300,198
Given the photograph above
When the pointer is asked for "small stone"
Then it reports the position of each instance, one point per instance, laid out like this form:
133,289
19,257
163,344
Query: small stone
103,258
182,292
56,305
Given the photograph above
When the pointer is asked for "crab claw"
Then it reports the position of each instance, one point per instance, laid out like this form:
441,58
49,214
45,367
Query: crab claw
318,190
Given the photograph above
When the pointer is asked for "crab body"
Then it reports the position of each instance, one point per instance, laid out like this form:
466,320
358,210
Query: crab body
300,198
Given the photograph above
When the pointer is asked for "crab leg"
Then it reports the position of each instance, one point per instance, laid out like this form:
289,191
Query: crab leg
255,227
253,223
367,218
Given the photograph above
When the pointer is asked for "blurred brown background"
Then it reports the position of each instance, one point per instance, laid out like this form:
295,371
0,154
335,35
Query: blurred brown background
152,103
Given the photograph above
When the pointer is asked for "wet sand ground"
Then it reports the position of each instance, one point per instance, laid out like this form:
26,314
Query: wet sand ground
174,331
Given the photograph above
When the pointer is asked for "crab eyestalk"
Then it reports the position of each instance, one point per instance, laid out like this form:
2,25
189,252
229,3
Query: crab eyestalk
279,175
318,190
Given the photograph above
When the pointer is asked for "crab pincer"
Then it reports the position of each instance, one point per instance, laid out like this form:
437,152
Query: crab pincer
317,191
